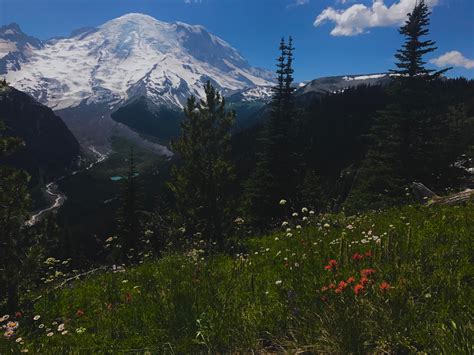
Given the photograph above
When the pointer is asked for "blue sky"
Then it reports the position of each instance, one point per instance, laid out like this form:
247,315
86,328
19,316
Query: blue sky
332,37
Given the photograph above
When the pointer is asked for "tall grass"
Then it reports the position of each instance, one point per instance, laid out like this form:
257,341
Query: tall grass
397,281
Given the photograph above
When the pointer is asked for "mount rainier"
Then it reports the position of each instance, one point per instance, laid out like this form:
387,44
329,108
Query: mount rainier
131,56
95,71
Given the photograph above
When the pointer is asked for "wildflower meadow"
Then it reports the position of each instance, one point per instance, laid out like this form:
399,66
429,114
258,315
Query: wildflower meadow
381,282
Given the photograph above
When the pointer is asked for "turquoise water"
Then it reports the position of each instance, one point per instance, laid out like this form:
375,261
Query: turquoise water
118,178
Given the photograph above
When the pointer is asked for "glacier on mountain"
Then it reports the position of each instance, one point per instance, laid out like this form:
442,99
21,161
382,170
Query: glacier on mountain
130,56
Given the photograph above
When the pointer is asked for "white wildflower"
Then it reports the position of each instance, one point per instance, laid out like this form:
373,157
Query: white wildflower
239,220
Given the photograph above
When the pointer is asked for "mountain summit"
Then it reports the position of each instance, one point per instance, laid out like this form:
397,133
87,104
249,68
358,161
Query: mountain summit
131,56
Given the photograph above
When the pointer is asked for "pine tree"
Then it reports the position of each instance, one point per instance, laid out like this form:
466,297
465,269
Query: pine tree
127,216
202,180
272,179
397,155
410,57
288,100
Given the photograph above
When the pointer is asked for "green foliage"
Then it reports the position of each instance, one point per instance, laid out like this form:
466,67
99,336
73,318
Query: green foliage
283,294
276,171
14,204
202,180
417,137
410,57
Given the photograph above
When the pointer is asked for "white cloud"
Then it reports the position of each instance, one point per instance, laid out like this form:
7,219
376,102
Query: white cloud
298,3
357,18
453,58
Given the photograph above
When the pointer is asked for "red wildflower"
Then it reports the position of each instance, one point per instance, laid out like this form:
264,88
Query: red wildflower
342,284
384,286
332,265
364,281
332,286
357,257
350,280
338,290
358,289
324,288
18,314
368,254
368,272
109,306
128,297
79,313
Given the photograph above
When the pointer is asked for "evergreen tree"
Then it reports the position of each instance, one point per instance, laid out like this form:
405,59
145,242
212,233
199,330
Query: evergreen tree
410,57
287,94
274,175
399,136
127,216
202,180
14,205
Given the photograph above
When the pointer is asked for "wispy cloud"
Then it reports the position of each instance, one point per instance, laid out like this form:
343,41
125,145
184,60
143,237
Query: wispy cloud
192,1
357,18
453,58
298,3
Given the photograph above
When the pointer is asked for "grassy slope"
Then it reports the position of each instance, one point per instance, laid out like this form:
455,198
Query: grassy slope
273,298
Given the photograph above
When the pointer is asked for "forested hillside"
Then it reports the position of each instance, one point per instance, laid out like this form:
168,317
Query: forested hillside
50,148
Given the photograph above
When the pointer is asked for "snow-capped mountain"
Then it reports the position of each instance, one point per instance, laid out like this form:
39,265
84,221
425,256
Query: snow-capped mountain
261,94
335,84
15,47
131,56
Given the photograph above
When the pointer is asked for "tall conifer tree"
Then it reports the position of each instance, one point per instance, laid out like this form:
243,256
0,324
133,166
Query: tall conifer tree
410,57
202,180
274,175
399,134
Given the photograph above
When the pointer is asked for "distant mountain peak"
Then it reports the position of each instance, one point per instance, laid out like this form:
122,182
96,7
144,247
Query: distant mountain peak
134,54
14,27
